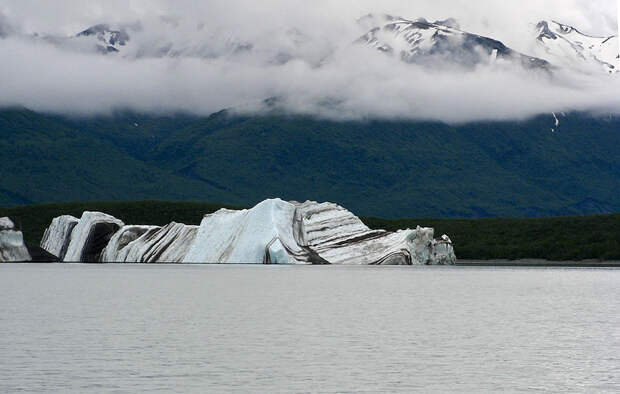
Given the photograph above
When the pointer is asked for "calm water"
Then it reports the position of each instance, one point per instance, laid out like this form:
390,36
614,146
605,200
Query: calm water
267,329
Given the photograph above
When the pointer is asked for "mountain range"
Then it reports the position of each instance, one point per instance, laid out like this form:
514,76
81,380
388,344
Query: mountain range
552,164
441,42
553,44
556,44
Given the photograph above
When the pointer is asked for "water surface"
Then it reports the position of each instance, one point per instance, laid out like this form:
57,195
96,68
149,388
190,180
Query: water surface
269,329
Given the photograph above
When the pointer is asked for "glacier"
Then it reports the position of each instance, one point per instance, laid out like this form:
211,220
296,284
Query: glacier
12,245
273,232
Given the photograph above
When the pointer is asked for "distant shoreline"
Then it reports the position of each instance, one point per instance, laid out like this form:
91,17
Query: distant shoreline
462,263
579,241
538,263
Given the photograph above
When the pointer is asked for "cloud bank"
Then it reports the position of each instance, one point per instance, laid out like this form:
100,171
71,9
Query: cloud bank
299,52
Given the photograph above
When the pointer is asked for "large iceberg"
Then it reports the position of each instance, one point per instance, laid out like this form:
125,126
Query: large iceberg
261,235
272,232
340,237
12,245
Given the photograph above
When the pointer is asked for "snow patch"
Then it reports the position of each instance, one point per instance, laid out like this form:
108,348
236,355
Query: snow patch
566,46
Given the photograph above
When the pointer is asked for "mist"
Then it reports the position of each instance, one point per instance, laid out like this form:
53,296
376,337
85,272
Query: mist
323,73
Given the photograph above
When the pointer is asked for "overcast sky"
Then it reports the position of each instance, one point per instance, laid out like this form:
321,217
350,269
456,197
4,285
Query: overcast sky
70,16
327,68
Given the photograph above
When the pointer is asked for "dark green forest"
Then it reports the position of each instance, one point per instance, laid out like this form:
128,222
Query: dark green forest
390,169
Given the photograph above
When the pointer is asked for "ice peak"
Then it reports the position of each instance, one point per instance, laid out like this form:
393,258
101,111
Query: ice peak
109,40
442,43
568,47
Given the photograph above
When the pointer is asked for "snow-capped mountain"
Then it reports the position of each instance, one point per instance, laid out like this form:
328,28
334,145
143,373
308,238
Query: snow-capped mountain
108,40
166,42
566,46
172,40
437,44
440,42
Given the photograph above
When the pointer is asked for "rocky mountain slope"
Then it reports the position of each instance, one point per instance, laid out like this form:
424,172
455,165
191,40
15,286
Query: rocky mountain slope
441,42
108,40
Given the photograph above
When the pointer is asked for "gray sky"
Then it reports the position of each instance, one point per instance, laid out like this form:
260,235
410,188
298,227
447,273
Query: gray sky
69,16
45,77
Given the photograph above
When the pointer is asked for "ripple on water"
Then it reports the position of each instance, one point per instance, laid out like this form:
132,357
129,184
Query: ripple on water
126,328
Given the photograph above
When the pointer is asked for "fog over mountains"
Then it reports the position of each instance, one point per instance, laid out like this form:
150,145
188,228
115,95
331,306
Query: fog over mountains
445,108
445,60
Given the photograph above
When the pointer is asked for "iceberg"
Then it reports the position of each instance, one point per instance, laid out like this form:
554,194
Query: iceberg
443,251
150,244
118,248
90,236
340,237
6,224
12,246
272,232
57,236
261,235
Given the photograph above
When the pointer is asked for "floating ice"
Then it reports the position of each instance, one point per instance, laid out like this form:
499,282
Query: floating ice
90,236
261,235
6,224
273,232
58,234
150,244
339,237
12,246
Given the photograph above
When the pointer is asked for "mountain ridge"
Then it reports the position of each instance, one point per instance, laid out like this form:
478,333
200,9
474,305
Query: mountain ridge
554,44
442,41
570,47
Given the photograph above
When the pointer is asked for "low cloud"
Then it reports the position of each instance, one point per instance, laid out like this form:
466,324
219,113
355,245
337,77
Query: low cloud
287,49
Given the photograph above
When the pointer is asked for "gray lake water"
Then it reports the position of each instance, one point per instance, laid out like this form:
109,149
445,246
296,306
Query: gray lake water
270,329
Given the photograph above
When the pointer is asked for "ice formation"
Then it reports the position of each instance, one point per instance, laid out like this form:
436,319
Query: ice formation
58,234
6,224
12,246
90,236
150,244
261,235
273,232
118,248
339,237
